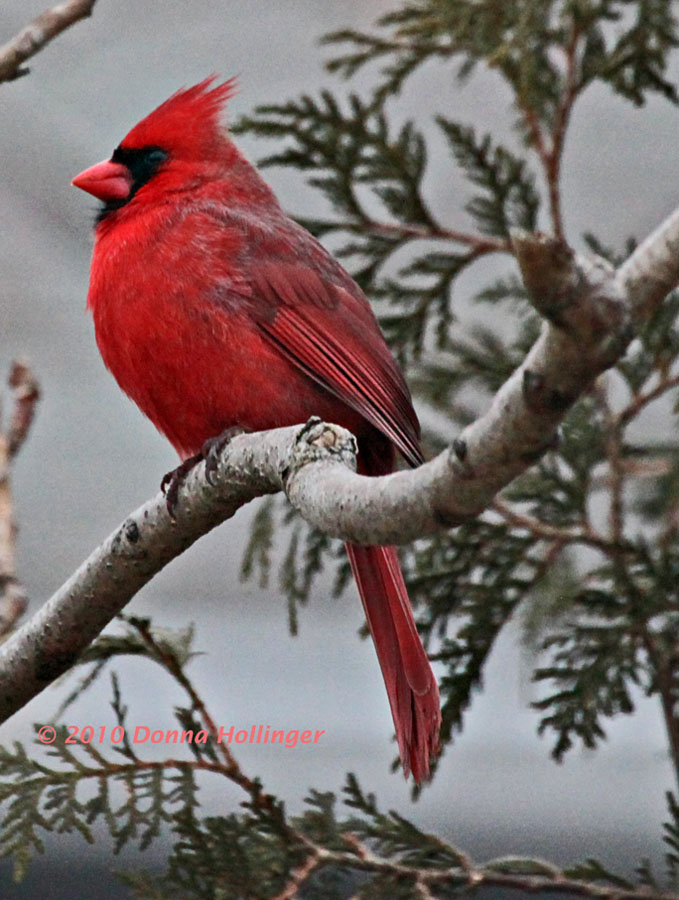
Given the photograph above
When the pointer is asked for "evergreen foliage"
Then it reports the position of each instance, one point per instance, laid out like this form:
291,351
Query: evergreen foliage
333,848
603,623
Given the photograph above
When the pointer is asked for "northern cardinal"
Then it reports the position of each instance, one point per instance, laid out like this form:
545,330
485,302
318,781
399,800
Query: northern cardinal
215,311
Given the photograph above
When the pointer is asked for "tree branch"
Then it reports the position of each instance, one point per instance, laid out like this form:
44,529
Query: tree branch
31,39
50,642
587,307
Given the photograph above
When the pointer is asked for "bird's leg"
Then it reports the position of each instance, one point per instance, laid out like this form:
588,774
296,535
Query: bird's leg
209,452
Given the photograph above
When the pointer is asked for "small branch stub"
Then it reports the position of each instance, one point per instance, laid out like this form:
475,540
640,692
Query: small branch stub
581,296
549,272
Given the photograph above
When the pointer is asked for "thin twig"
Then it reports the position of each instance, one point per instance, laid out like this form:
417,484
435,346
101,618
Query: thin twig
298,878
481,876
544,531
550,150
232,769
31,39
553,172
618,467
614,457
24,397
641,400
478,242
545,155
665,666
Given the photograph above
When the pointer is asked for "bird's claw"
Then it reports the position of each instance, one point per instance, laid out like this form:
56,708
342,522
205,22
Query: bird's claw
212,448
173,480
209,452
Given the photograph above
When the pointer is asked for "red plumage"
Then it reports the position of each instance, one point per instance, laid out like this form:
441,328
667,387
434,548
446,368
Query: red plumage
213,309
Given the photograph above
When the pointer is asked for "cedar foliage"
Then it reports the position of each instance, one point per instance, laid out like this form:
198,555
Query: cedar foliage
603,623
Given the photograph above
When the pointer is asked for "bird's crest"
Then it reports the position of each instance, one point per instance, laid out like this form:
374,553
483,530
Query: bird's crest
189,120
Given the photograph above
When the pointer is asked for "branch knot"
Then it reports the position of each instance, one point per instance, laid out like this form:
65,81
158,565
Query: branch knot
317,441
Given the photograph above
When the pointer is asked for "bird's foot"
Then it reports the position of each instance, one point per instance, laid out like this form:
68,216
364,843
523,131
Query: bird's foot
173,480
209,452
212,448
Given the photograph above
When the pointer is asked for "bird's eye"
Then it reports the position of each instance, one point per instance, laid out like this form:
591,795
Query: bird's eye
156,156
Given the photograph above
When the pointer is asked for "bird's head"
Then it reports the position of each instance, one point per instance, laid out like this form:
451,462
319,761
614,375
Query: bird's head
181,137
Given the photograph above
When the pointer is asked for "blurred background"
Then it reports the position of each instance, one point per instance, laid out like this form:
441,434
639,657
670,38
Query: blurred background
91,457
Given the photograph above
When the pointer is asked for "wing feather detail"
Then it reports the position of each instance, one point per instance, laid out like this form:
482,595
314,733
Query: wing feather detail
331,334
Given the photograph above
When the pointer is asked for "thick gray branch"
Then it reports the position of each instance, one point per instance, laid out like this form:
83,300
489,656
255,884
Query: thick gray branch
31,39
589,311
652,271
50,642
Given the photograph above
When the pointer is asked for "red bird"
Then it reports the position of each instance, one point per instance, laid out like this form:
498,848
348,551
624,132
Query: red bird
215,311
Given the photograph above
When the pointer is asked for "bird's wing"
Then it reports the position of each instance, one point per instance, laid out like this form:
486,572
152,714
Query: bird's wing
304,302
328,330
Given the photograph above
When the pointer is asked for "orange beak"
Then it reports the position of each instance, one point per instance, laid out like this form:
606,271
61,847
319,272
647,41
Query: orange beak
106,181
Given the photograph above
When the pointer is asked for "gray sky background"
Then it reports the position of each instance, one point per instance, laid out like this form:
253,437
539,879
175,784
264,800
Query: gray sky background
92,457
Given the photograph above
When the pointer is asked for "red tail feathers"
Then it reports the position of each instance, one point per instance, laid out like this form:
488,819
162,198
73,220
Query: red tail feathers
411,685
